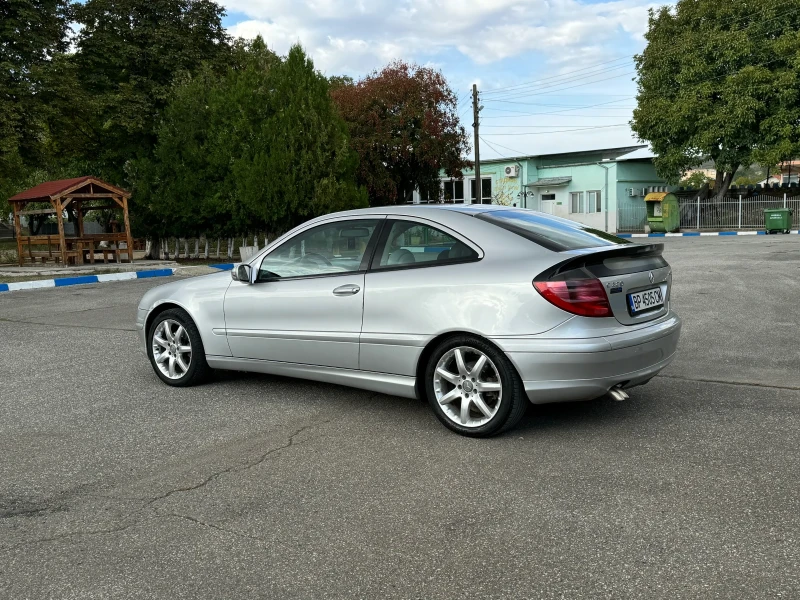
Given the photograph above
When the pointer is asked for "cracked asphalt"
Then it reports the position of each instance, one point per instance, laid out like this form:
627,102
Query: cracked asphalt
114,486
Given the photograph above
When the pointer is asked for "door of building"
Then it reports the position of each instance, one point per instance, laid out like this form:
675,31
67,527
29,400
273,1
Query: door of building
548,203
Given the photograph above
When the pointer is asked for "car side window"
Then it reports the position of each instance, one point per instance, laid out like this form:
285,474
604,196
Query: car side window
409,243
324,250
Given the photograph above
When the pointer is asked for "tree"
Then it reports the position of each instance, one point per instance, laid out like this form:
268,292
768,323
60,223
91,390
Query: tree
113,90
404,125
31,31
719,79
504,192
261,147
115,87
696,179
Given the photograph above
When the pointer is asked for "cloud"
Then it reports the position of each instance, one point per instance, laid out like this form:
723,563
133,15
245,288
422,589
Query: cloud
356,36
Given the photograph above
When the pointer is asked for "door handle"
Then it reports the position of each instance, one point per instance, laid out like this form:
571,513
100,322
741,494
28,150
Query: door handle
349,289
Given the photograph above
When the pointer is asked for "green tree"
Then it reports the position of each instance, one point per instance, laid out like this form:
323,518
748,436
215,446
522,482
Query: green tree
299,164
696,180
31,31
115,87
404,125
258,148
720,79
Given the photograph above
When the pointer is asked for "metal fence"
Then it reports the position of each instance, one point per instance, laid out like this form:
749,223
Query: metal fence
632,218
733,212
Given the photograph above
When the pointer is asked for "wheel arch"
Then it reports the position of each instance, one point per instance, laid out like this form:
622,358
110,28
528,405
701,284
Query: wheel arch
422,361
160,308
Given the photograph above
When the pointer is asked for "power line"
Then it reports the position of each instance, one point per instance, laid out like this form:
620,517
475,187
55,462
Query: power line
521,87
565,130
524,84
567,106
555,84
732,21
704,79
551,115
564,88
500,154
517,152
558,125
553,112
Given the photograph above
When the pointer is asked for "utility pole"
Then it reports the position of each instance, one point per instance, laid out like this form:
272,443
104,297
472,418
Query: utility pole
475,117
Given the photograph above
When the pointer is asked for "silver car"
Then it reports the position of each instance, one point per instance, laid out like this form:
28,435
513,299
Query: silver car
479,309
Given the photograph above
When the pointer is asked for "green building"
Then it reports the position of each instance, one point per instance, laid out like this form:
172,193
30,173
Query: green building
572,185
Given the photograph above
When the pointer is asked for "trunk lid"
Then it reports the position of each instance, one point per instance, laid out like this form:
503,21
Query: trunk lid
622,270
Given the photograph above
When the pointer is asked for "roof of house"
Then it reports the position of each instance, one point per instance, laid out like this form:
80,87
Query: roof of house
53,189
550,181
642,153
612,153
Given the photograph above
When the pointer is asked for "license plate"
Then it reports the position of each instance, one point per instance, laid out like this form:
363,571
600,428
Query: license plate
646,300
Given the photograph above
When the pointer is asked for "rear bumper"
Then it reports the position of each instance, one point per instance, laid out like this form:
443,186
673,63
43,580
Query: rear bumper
566,370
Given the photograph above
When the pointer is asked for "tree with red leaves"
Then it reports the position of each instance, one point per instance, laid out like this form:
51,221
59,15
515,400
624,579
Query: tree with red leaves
404,125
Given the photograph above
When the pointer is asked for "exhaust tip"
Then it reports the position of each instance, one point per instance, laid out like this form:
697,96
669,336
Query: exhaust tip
618,394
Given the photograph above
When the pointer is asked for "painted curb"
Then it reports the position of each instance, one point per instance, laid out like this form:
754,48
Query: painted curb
84,279
223,267
691,234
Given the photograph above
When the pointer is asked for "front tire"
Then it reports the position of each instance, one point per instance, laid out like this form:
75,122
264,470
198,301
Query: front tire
473,388
175,349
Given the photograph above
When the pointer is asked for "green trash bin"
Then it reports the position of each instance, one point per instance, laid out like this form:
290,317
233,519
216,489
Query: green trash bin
663,213
778,219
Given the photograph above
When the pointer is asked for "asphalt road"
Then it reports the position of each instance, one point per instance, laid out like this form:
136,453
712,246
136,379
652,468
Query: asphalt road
115,486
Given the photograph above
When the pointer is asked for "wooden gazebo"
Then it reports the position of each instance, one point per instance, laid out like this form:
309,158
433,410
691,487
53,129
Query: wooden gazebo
83,193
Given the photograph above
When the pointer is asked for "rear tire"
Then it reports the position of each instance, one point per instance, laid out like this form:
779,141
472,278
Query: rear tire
472,399
175,349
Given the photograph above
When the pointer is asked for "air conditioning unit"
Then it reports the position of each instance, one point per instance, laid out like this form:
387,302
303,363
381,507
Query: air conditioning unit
512,171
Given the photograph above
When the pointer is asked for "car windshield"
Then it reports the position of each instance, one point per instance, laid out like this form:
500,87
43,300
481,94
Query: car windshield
550,232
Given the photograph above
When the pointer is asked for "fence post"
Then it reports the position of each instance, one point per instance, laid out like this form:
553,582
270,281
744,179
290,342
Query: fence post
784,199
740,211
698,212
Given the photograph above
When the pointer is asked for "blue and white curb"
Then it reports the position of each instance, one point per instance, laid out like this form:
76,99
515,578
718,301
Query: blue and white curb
84,279
692,234
223,267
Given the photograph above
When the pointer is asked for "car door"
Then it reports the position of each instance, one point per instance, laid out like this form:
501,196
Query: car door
418,278
305,304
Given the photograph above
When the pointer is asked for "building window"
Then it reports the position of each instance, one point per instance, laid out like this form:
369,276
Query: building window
576,202
548,197
429,196
486,191
594,203
454,191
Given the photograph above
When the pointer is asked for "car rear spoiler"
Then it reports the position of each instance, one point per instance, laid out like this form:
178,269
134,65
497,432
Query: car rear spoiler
607,262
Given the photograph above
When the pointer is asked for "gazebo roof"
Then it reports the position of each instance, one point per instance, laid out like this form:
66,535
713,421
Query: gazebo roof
50,190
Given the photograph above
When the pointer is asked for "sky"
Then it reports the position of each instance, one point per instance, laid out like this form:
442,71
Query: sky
554,75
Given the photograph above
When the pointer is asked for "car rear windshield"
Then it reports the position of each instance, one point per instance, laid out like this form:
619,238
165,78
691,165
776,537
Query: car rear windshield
550,232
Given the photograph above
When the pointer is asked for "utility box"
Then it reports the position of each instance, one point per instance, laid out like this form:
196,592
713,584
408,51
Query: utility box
662,212
778,219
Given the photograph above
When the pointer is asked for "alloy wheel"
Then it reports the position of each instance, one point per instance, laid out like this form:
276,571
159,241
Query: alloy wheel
172,349
467,386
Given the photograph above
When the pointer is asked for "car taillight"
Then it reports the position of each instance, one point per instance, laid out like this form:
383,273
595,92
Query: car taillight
585,297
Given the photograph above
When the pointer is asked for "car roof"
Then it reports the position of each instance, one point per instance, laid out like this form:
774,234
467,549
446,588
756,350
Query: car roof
422,209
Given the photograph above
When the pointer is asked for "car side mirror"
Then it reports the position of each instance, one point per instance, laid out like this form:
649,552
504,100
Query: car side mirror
242,273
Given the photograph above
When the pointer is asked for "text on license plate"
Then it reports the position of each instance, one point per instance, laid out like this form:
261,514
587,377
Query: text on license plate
646,300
